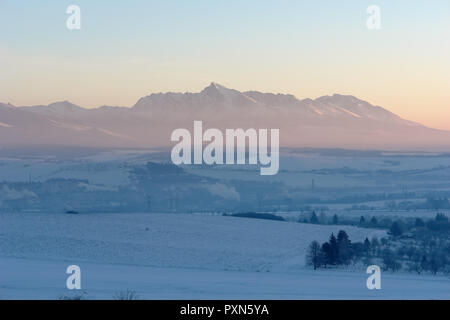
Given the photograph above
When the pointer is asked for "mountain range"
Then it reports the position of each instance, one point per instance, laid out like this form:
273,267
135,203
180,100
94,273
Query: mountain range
337,121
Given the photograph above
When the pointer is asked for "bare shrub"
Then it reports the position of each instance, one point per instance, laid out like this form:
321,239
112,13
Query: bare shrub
126,295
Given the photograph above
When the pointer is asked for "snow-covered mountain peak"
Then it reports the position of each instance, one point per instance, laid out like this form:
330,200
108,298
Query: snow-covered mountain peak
332,120
215,90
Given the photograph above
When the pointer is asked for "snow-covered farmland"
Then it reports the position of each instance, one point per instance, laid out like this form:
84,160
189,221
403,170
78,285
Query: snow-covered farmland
165,240
183,256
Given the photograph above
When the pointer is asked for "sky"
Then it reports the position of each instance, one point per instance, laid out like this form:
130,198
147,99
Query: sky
130,49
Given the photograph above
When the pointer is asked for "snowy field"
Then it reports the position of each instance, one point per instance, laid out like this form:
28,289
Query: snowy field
35,279
183,256
200,241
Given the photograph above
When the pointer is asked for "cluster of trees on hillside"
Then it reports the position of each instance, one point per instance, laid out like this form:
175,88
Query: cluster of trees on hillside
364,222
396,227
440,224
425,249
338,250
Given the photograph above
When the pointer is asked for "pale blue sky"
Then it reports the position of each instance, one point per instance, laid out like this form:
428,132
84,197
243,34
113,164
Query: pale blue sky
309,48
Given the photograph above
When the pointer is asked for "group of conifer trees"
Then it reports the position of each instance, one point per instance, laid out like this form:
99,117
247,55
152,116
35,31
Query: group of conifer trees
336,251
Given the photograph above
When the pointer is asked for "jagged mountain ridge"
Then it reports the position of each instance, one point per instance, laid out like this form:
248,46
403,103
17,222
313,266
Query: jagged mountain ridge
328,121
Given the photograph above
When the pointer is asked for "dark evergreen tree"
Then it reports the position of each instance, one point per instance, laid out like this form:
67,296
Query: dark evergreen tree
314,218
334,250
367,246
344,245
362,220
326,254
396,229
335,219
374,221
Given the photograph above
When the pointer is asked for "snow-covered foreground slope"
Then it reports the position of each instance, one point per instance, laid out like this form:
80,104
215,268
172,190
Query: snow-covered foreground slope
165,240
183,256
34,279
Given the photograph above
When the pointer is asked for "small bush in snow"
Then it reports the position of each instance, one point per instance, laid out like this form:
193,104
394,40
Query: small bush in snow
126,295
